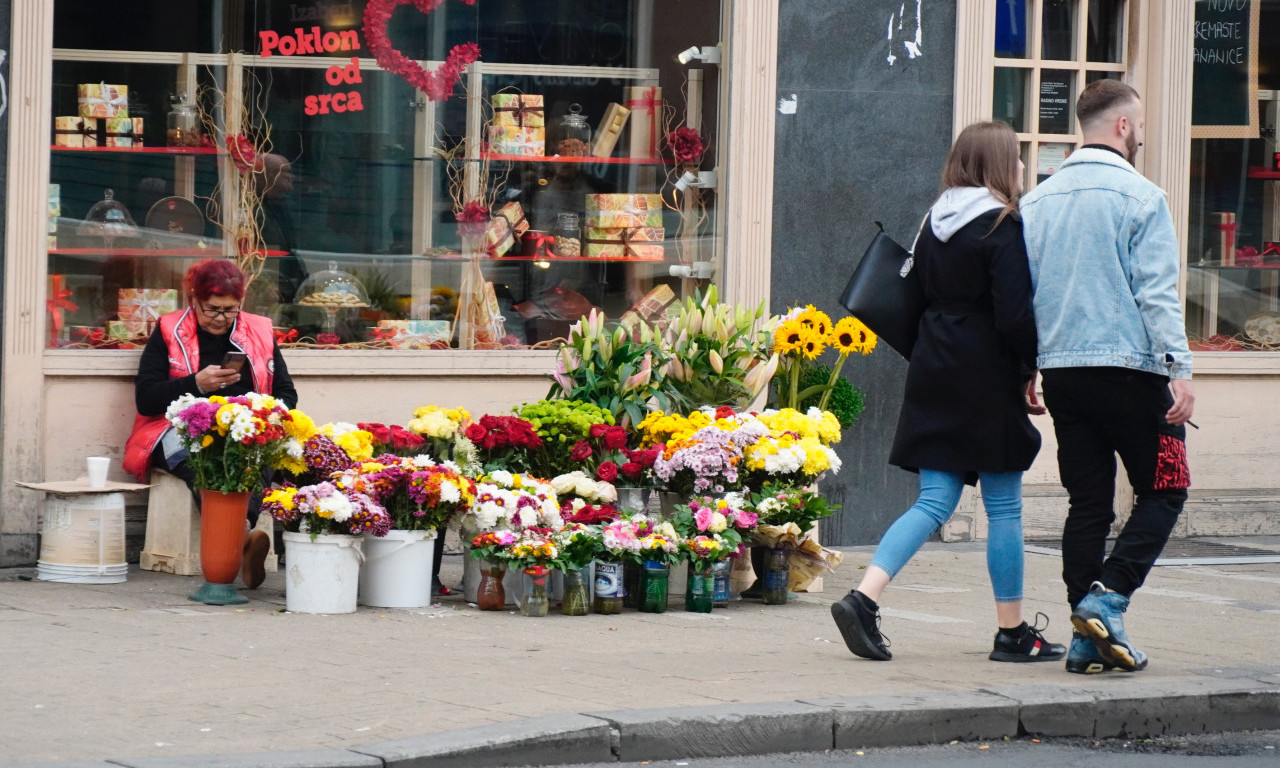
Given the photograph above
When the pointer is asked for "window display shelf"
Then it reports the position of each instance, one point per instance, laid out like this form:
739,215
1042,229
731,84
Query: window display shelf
583,160
156,252
491,259
143,150
1260,172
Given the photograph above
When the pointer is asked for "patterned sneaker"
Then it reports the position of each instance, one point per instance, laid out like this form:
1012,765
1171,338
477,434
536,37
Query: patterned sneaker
858,618
1083,658
1100,618
1026,643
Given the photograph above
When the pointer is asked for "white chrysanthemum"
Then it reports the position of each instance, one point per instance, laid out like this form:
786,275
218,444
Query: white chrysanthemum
178,406
502,477
735,500
293,448
422,461
452,466
243,426
833,459
449,493
261,401
335,507
787,460
769,506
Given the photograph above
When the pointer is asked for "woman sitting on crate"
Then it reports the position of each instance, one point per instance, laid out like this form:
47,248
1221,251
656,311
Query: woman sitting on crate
209,347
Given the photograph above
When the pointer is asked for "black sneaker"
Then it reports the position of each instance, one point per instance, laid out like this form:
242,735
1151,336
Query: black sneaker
1026,643
858,618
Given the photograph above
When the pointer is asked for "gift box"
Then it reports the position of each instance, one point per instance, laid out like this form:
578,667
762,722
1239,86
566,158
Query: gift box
103,100
649,308
505,230
140,308
1226,221
75,131
123,132
125,330
606,136
514,140
645,103
523,110
417,334
624,211
629,243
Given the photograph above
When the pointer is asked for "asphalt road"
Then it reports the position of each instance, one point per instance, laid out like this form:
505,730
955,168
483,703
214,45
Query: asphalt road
1222,750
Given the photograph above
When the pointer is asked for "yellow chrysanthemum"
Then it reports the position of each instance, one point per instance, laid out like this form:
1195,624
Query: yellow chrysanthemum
850,336
300,425
206,441
829,428
282,496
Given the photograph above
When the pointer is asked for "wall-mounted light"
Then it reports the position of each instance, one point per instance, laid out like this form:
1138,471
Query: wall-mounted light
698,270
704,179
708,54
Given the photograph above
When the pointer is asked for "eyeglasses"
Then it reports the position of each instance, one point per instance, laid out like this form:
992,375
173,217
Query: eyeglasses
214,314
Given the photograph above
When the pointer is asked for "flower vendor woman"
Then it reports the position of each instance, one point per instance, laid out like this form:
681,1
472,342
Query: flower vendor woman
184,356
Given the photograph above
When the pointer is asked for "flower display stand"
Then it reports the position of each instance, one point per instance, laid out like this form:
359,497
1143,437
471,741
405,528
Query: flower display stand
173,529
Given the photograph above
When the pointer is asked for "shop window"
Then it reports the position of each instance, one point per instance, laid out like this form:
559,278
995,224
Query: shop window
349,224
1233,239
1045,52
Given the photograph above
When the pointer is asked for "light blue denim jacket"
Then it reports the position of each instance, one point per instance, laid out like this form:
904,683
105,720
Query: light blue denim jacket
1104,268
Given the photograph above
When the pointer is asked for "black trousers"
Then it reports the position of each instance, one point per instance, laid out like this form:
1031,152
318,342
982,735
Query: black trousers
1098,413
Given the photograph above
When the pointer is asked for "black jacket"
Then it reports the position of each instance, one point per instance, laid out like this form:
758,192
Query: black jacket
964,410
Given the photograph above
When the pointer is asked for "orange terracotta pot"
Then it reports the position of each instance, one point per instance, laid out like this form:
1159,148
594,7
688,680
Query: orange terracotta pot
222,517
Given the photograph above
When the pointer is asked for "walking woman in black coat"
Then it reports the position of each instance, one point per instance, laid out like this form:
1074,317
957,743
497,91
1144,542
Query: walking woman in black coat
969,390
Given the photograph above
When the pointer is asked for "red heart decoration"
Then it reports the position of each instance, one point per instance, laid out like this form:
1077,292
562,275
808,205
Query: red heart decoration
437,85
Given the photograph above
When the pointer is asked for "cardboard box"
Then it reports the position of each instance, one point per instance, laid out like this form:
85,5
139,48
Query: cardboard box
418,334
645,103
523,110
606,136
624,243
506,228
123,132
624,211
75,131
103,100
514,140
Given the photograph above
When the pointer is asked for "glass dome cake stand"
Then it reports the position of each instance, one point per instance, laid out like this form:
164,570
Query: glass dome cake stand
332,290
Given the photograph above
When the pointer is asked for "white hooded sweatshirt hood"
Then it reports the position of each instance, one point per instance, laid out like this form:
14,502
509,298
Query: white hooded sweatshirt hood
957,207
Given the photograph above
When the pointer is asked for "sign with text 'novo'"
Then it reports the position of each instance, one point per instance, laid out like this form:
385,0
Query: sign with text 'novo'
1224,79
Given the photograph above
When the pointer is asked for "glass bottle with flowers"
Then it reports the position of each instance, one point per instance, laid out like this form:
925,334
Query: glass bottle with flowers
534,553
579,544
787,514
619,543
490,594
659,549
713,530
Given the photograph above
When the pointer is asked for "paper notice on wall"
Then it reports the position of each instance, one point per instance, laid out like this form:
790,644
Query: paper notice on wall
1051,156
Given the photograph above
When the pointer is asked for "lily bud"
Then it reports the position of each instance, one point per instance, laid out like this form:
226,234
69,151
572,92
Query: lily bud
717,364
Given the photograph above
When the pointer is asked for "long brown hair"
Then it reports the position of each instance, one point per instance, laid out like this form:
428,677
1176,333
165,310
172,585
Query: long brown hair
986,155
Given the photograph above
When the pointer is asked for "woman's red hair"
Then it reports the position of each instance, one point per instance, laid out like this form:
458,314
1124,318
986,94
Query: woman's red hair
214,277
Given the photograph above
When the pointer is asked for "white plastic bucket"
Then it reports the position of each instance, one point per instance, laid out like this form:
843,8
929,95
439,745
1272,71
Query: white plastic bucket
397,569
82,539
322,575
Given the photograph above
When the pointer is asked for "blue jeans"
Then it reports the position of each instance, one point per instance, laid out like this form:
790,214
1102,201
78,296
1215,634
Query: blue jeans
939,495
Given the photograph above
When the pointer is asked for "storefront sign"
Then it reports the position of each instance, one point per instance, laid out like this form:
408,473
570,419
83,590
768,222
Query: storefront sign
1055,101
303,42
1224,81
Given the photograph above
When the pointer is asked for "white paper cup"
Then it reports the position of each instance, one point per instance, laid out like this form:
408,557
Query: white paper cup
98,471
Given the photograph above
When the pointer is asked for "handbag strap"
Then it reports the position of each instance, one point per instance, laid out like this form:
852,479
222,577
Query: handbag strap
912,250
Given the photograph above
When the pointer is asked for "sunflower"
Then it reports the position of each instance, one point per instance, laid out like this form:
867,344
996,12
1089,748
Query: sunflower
789,337
850,336
813,345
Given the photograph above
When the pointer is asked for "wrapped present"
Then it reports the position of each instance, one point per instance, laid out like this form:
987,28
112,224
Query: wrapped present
606,136
142,307
505,230
649,308
629,243
123,132
624,211
1226,237
523,110
75,131
480,320
125,330
103,100
58,303
55,207
514,140
645,103
417,334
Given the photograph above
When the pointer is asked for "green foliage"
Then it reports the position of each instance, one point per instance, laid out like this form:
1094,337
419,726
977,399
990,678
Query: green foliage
615,369
721,354
846,401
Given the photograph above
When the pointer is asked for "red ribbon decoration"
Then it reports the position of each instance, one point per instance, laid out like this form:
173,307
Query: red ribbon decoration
56,304
284,337
650,104
541,241
520,109
437,85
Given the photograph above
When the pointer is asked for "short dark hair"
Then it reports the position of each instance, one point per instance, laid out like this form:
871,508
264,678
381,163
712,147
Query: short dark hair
1100,96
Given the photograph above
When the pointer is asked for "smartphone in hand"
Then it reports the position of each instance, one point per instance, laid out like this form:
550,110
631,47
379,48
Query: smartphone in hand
234,360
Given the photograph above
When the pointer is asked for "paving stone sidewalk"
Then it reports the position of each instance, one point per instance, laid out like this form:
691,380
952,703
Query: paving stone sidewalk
135,672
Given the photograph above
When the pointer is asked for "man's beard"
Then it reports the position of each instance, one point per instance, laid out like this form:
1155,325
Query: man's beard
1131,148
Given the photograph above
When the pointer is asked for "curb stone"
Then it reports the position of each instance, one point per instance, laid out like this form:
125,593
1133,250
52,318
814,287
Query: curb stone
536,741
929,718
318,758
1044,710
732,730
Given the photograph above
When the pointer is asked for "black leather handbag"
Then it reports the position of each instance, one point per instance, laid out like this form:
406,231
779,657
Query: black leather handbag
885,293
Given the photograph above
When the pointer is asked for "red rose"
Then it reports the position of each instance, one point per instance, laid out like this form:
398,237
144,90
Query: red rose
581,451
381,435
723,412
476,432
608,472
685,145
615,438
631,470
598,429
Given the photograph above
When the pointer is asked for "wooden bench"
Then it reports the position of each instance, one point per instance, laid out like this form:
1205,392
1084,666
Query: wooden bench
173,529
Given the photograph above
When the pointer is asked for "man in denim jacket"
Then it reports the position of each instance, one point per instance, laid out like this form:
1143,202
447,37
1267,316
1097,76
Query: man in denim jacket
1117,371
